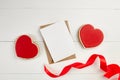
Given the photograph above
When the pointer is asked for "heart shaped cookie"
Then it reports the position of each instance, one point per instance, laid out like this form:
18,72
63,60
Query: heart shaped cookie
25,48
89,36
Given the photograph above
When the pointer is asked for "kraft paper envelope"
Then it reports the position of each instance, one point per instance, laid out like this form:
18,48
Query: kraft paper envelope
50,59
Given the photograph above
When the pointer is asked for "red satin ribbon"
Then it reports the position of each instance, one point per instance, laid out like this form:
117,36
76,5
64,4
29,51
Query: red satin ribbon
110,70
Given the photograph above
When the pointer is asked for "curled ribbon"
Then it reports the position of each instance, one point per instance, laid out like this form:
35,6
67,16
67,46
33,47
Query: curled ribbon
110,70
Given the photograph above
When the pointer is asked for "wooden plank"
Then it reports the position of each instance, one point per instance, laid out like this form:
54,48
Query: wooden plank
33,4
45,77
10,63
17,22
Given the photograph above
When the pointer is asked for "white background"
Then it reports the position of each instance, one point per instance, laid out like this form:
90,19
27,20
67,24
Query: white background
19,17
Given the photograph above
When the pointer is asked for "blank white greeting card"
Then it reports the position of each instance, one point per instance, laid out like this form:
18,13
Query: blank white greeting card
58,41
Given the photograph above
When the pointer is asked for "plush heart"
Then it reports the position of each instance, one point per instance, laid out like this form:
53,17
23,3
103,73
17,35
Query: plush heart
89,36
25,48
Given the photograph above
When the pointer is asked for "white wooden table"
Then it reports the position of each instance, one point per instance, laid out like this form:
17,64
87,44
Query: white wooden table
19,17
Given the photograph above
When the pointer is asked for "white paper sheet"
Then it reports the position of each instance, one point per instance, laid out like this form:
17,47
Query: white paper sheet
58,40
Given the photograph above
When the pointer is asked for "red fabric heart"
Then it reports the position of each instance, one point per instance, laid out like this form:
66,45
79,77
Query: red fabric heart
25,48
90,37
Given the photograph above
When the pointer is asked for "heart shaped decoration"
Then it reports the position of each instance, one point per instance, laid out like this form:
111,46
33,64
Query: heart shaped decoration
89,36
25,48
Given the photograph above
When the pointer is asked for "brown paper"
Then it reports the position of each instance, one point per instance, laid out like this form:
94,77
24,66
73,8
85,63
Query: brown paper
50,60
